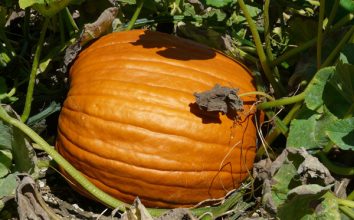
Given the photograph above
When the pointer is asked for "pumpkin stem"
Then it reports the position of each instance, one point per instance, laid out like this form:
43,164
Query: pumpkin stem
282,101
220,99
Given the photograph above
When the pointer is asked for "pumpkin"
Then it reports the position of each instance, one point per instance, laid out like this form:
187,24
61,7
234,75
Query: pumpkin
131,126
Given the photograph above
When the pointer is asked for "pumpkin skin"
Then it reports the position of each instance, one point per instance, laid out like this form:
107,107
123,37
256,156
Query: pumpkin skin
130,125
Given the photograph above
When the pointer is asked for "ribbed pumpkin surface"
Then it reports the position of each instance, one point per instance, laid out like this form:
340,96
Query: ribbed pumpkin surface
130,124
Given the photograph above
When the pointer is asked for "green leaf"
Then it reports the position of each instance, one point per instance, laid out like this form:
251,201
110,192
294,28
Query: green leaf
52,108
339,92
347,54
329,207
5,136
314,91
45,7
308,130
310,202
8,185
24,157
302,133
5,162
23,154
341,133
294,172
347,5
218,3
283,180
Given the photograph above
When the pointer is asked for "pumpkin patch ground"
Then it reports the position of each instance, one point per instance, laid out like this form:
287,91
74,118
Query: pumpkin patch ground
176,109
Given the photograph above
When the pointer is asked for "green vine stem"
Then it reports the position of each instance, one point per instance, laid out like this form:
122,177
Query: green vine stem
338,48
256,93
345,202
135,15
345,171
268,37
282,101
278,89
347,211
320,33
31,82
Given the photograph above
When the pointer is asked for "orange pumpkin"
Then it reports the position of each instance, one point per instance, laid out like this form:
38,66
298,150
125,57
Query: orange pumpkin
130,125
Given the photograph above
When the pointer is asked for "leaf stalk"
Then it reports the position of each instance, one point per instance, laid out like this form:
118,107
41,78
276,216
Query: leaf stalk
32,79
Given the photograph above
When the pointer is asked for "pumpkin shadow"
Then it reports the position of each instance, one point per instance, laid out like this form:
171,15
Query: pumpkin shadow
173,47
207,117
210,116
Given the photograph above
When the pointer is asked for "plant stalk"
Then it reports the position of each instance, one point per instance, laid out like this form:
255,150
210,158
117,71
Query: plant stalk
332,14
32,79
347,211
278,89
257,93
267,37
346,202
282,101
135,15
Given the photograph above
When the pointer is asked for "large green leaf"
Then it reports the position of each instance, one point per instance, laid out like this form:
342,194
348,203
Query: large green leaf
45,7
23,154
338,95
347,5
8,185
302,133
341,133
308,130
5,136
5,162
310,202
314,91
